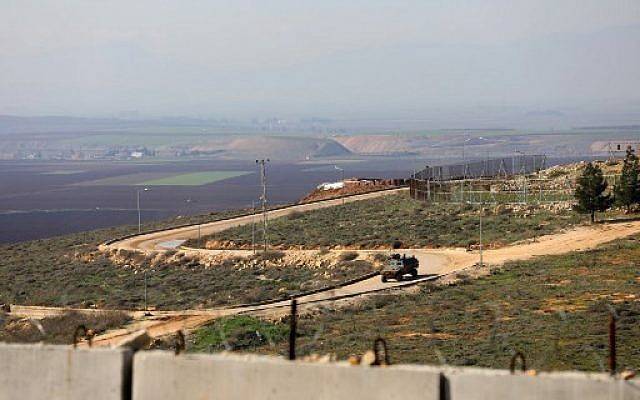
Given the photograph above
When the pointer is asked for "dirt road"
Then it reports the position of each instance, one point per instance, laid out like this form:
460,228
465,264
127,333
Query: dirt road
433,264
172,238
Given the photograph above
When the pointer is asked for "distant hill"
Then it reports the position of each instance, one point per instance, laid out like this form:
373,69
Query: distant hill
285,147
56,124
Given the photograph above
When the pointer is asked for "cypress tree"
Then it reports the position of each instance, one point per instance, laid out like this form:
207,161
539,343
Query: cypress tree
626,192
590,190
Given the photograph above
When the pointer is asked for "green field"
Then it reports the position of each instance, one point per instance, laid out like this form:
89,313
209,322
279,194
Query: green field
194,178
166,179
63,172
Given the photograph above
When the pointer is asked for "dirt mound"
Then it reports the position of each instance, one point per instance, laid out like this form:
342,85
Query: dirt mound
286,148
321,194
378,144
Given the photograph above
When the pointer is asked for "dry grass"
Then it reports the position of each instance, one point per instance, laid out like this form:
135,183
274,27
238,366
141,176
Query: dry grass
379,222
554,309
59,329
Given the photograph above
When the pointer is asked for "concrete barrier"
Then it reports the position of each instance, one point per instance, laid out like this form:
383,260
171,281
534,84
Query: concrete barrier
162,375
59,372
489,384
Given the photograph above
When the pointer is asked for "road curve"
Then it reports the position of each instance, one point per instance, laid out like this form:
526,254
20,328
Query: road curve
433,264
171,238
164,323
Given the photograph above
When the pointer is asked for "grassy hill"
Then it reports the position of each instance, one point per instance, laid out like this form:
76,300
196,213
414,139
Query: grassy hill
378,222
554,309
69,271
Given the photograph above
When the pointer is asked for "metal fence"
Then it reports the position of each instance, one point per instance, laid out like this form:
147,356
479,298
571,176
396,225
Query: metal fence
508,166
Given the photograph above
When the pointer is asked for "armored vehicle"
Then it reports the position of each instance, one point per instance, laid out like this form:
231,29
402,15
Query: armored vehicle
399,266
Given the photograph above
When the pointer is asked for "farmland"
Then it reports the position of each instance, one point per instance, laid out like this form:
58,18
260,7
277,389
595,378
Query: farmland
167,178
44,199
194,178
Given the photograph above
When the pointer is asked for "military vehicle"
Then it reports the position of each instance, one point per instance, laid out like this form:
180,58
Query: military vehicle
399,266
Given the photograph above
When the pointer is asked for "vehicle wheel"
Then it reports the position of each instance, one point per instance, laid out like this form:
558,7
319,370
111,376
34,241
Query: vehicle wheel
398,277
384,279
414,273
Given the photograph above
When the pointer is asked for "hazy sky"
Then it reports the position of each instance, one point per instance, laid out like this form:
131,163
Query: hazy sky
323,58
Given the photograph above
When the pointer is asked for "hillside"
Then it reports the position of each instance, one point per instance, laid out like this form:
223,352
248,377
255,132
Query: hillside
553,309
485,144
284,148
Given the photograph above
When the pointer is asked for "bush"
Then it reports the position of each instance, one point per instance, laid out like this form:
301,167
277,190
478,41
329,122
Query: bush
60,328
269,255
295,215
348,256
237,333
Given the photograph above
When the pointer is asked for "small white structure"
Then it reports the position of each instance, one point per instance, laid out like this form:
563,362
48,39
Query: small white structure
330,186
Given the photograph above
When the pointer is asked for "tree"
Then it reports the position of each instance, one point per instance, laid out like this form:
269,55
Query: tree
590,190
627,191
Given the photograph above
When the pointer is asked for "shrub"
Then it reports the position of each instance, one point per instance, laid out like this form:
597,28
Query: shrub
295,215
60,328
238,333
348,255
269,255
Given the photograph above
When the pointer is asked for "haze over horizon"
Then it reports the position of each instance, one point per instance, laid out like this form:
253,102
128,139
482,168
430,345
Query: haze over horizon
468,63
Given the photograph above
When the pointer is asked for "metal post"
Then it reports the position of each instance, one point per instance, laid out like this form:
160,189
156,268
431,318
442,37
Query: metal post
540,182
253,227
293,320
612,345
138,206
481,212
190,201
145,290
344,186
263,179
138,203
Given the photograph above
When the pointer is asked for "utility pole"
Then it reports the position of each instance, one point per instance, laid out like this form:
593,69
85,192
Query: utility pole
343,184
481,212
138,204
253,226
145,290
146,306
523,171
191,202
263,198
